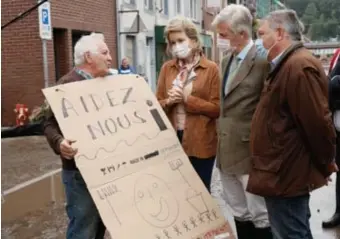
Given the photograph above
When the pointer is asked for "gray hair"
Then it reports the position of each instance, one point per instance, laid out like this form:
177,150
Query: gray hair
289,21
238,16
87,43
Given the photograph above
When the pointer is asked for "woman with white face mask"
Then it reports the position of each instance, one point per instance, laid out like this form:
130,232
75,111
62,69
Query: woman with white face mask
188,90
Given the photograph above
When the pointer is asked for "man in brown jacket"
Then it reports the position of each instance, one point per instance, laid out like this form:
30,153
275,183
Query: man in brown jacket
292,137
243,75
92,59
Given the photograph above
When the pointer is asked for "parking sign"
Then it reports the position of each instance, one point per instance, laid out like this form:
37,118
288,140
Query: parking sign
45,26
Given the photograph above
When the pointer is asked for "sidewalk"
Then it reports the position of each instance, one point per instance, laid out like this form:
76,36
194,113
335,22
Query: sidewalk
321,205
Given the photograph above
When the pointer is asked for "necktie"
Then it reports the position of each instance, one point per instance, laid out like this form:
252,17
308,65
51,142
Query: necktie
232,72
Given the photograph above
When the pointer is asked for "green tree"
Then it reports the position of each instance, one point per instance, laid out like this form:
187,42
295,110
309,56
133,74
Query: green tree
333,27
310,15
316,31
322,27
298,5
325,7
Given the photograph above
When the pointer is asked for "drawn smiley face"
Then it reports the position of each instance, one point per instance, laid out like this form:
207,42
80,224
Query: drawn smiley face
155,202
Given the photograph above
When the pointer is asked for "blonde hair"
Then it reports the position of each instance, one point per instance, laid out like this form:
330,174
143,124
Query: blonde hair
183,24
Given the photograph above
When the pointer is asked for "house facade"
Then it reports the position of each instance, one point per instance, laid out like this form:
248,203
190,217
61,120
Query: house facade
141,31
22,55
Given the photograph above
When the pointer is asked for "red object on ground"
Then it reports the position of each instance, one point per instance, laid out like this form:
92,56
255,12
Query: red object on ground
21,112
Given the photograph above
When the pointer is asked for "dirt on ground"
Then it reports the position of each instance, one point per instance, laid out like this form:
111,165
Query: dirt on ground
25,158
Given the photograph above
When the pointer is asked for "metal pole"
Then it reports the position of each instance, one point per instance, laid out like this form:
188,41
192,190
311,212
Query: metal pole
154,50
119,49
45,60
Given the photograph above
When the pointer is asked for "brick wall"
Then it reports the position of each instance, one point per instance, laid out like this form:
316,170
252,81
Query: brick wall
22,63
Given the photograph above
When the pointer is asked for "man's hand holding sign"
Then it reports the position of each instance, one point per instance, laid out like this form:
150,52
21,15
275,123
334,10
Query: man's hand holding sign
66,149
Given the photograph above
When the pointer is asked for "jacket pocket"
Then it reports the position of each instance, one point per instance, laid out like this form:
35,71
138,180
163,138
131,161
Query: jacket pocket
264,178
267,164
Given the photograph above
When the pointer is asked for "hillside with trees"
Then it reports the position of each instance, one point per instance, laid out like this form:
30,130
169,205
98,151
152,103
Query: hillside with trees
321,17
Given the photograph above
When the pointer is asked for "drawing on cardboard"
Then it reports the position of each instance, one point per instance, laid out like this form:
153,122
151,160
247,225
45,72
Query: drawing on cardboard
139,137
132,162
177,230
155,202
196,201
193,197
114,211
158,120
157,116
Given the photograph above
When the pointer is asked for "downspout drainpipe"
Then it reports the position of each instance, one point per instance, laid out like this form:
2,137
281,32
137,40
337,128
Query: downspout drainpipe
118,6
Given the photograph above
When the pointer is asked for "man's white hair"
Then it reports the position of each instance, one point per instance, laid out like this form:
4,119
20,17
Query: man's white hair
289,21
237,16
87,43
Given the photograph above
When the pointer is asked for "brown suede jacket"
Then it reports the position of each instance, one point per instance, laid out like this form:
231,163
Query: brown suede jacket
202,106
292,135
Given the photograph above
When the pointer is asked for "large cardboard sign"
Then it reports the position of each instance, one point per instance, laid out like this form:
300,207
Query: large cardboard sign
133,164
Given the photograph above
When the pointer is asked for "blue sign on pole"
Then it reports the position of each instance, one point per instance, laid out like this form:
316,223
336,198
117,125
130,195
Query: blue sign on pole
45,19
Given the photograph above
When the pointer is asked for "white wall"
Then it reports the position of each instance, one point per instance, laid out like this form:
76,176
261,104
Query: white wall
150,19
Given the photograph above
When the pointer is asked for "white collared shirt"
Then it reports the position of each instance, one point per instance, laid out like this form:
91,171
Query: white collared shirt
236,63
242,55
336,120
274,62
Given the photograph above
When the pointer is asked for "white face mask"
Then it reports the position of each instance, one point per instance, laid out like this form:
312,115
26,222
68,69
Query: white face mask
181,50
261,51
223,44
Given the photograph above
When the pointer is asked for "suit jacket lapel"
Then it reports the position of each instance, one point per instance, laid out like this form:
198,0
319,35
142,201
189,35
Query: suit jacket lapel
225,63
243,70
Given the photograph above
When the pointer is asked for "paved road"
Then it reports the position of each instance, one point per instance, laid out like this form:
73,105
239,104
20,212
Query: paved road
321,204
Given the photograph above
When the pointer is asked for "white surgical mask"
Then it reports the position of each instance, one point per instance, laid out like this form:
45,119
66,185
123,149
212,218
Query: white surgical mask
181,50
261,51
223,44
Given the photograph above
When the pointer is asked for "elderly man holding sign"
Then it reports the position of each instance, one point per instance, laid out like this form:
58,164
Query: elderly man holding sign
92,59
129,169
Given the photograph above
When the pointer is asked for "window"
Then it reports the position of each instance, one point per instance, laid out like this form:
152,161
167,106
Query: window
61,52
130,2
166,7
193,9
178,6
148,4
